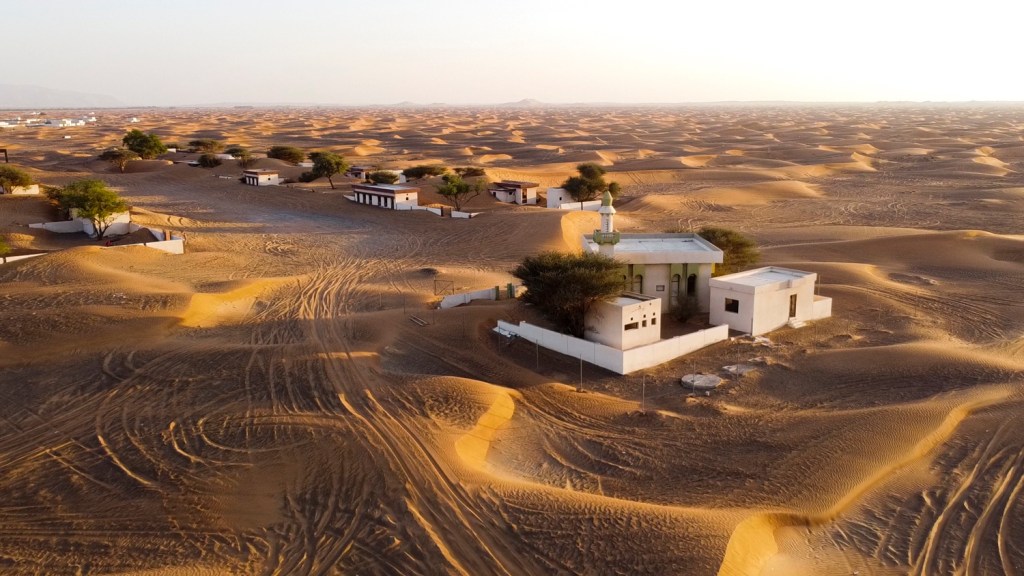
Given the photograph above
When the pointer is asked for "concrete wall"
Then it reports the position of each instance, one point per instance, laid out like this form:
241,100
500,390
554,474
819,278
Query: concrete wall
618,361
496,293
456,214
822,308
7,259
32,190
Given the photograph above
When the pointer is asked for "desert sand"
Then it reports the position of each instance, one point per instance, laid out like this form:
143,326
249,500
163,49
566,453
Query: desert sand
263,404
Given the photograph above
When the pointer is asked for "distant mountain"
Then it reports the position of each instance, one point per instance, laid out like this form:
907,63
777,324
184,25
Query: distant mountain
32,97
524,103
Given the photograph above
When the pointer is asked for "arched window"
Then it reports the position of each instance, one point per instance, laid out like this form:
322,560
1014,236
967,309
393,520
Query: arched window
673,293
691,285
625,282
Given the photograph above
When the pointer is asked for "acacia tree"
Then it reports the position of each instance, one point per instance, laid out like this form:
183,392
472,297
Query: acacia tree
209,161
589,184
93,200
242,154
740,252
382,177
456,190
4,248
207,145
119,157
11,177
564,287
287,153
327,165
148,146
417,172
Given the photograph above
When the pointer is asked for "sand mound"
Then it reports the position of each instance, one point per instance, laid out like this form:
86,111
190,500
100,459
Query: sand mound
137,166
757,194
229,304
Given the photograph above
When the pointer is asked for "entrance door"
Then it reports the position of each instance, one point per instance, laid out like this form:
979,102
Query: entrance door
792,305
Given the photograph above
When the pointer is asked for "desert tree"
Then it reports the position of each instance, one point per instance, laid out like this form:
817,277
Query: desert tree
287,153
148,146
564,287
93,200
209,161
382,177
119,157
206,145
457,191
417,172
327,165
245,158
740,251
589,184
5,249
11,177
469,171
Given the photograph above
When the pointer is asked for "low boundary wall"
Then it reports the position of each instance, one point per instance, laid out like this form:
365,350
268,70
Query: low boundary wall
618,361
496,293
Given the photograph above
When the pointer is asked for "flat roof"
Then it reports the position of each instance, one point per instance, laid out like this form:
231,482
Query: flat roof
390,188
516,184
662,248
630,298
764,276
259,171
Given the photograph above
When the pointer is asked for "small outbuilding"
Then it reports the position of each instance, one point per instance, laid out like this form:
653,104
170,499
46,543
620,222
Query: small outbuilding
515,191
261,177
761,300
627,321
391,196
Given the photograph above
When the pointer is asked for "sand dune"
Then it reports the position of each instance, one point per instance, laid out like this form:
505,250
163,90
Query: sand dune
265,403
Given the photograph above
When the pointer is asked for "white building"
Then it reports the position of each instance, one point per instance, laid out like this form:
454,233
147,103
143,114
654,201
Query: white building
260,177
363,173
628,321
515,191
672,267
391,196
761,300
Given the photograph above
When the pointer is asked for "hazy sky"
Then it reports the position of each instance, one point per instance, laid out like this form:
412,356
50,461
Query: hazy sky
484,51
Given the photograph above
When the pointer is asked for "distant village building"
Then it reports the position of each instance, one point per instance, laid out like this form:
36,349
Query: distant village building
628,321
672,267
261,177
391,196
515,191
761,300
363,173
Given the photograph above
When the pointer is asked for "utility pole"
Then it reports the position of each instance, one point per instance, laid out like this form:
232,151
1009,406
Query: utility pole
643,394
580,389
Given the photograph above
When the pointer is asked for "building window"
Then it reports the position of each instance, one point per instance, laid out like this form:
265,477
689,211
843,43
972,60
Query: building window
659,288
732,305
654,321
644,324
632,326
638,284
691,285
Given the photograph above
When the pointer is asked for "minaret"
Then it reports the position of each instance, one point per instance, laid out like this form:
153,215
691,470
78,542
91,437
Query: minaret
606,238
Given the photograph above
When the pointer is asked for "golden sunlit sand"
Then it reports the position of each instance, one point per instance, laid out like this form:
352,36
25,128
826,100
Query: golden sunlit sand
263,404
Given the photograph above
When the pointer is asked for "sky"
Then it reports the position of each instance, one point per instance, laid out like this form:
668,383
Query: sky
348,52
